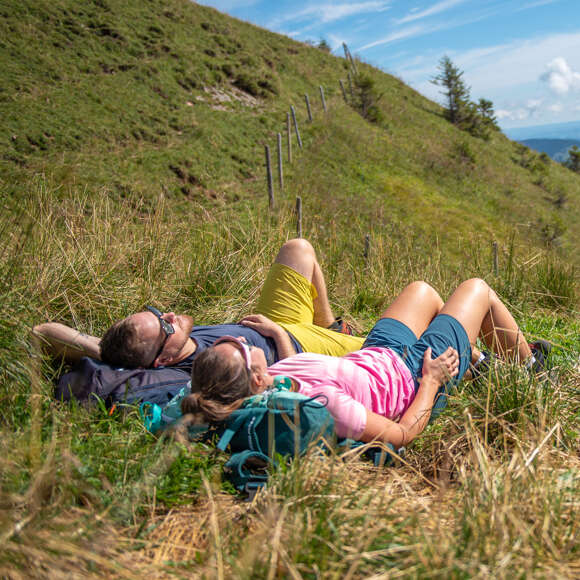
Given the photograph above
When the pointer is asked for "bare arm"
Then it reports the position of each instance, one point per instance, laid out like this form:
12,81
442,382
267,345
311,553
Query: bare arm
267,327
59,340
435,373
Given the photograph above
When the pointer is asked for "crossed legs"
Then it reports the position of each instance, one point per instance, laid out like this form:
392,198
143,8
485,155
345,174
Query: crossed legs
474,304
481,313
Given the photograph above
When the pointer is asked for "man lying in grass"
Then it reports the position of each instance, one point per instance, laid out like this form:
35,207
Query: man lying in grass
386,391
293,315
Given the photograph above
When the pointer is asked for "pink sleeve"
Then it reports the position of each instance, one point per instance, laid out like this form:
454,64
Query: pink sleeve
350,416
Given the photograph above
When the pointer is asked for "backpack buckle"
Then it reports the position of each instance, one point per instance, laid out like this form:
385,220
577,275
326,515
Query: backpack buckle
252,488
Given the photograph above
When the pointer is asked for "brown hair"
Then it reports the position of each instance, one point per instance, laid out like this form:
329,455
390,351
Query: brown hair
121,346
218,387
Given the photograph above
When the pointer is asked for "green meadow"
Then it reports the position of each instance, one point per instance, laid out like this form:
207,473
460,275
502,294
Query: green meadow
132,171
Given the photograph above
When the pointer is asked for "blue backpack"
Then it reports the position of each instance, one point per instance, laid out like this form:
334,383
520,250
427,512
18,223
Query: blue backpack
90,378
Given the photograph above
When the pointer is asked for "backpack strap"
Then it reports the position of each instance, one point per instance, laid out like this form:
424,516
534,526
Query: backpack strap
377,455
234,424
247,470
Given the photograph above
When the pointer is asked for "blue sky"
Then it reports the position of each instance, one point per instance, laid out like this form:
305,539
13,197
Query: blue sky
524,55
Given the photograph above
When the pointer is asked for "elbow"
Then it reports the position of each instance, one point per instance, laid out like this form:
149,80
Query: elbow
41,329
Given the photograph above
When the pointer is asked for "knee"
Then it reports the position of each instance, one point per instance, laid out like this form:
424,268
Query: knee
298,244
43,329
479,286
475,284
425,291
297,247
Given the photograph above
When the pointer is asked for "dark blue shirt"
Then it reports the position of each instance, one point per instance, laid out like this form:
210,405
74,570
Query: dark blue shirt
205,336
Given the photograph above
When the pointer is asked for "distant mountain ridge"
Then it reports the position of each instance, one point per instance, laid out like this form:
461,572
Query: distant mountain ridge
557,149
569,130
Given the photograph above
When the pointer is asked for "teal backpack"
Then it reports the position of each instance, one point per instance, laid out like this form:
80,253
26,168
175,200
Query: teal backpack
276,423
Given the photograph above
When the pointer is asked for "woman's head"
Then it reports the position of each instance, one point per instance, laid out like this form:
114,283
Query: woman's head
223,376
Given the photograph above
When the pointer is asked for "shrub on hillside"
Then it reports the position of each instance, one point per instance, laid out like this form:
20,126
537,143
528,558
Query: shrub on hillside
573,161
367,97
257,86
324,46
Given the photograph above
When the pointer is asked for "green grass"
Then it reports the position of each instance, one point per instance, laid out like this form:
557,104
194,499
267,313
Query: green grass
123,183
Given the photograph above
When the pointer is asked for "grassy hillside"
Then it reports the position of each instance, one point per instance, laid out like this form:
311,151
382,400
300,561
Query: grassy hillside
132,172
128,97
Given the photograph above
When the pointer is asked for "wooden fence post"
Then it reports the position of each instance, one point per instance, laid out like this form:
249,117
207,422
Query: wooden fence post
280,171
348,57
289,135
308,107
322,98
292,110
367,250
269,176
495,259
350,87
298,216
343,91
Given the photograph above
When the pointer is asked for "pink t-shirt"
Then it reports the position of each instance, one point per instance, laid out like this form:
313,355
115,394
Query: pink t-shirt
373,378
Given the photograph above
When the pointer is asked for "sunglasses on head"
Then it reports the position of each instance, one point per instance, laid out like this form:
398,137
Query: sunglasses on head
166,327
241,346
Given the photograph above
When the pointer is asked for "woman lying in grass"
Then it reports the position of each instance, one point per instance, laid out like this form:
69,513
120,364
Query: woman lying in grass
388,390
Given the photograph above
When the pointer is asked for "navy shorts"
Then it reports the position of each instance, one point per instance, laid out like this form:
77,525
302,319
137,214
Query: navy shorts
443,332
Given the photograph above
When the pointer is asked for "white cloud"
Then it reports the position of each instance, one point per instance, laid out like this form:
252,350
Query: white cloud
228,5
335,41
331,12
503,114
394,36
556,108
535,4
503,71
531,110
326,13
515,115
560,77
418,30
435,9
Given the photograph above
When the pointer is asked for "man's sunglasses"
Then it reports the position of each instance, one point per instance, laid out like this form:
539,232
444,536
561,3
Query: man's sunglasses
166,327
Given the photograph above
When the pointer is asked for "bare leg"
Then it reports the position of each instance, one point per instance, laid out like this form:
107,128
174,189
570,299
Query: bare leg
59,340
479,310
299,255
416,306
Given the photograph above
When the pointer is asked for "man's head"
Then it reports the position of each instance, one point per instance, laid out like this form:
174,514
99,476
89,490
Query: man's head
148,339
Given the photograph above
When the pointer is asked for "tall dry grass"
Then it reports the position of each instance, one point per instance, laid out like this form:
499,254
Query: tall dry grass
491,488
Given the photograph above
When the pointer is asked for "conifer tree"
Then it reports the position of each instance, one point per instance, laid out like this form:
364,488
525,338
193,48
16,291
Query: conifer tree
477,119
455,90
573,161
485,110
